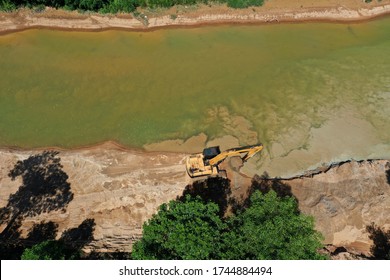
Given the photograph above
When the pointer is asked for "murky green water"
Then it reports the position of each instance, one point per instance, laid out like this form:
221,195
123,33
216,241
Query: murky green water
77,88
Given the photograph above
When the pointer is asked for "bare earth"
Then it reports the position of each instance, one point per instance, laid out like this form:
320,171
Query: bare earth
121,189
118,188
272,11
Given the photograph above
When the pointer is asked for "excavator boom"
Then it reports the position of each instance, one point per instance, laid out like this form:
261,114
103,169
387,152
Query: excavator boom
249,152
206,163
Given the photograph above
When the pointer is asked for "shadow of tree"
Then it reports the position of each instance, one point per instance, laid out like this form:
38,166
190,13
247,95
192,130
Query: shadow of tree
44,188
213,189
380,250
11,245
388,175
11,231
69,245
77,238
264,184
41,232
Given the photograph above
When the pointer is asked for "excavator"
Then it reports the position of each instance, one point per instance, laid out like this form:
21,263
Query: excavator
206,163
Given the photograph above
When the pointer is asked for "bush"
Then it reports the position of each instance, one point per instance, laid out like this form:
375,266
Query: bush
240,4
116,6
7,6
40,8
48,250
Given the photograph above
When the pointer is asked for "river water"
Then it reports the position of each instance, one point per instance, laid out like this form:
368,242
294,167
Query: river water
311,92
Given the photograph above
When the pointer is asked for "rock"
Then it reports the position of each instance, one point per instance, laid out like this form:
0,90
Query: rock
345,199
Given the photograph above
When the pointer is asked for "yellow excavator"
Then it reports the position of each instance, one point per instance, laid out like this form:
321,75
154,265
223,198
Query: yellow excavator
206,163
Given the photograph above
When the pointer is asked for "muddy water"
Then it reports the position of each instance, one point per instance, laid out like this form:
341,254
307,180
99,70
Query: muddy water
310,92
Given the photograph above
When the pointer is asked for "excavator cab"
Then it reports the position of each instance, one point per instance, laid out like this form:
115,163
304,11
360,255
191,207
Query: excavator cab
211,152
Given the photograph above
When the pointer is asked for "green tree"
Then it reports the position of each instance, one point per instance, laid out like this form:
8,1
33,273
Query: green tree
92,5
68,247
240,4
115,6
181,230
7,5
47,250
271,228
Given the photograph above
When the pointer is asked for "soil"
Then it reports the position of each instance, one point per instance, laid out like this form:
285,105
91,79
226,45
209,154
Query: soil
273,11
121,189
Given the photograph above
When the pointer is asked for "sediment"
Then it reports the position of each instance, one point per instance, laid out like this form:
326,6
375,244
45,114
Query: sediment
271,12
121,189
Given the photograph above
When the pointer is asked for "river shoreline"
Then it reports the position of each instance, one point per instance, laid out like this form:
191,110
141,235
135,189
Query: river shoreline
177,150
190,17
121,189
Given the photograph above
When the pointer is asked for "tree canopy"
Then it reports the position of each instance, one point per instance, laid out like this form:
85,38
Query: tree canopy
46,250
271,227
181,230
67,247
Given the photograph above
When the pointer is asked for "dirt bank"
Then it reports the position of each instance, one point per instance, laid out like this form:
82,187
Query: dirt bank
120,189
272,11
344,199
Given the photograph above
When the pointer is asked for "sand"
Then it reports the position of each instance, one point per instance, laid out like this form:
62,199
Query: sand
121,189
273,11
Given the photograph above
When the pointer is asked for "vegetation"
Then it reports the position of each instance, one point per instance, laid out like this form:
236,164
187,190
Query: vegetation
270,228
47,250
7,5
240,4
67,247
182,230
114,6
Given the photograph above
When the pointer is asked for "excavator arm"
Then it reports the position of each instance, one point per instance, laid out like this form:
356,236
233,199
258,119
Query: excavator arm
249,152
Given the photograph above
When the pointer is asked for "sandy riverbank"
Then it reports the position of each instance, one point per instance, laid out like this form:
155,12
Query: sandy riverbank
120,189
272,11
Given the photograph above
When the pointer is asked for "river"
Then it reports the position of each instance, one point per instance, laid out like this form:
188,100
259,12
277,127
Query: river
310,92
